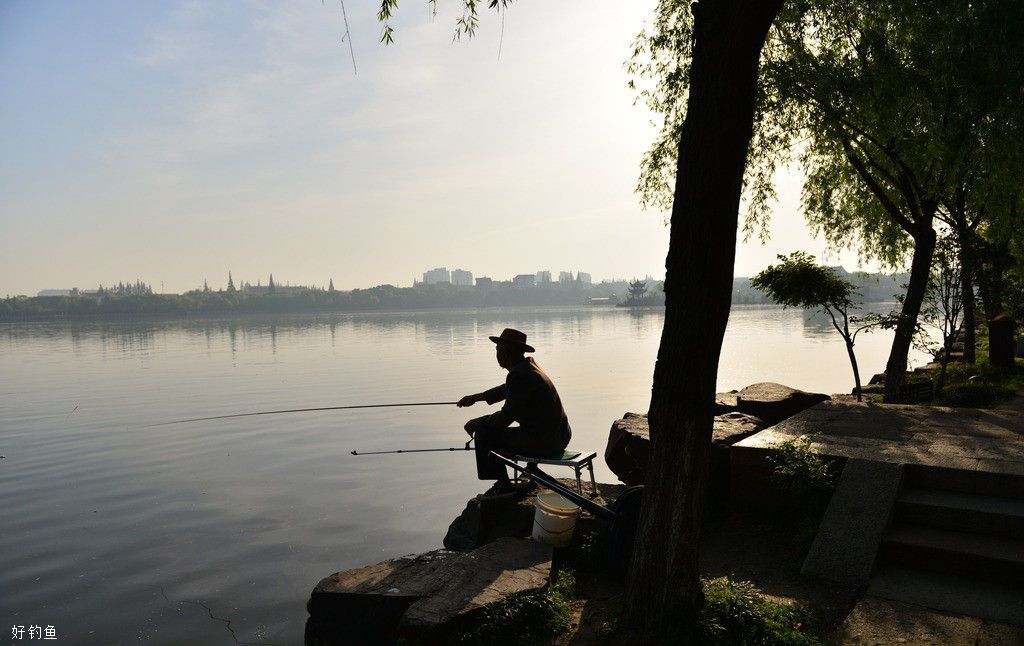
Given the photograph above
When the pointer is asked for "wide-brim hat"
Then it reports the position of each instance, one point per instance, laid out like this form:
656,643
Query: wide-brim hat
514,338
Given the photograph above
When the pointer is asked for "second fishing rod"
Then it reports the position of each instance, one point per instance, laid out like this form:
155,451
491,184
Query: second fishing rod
467,447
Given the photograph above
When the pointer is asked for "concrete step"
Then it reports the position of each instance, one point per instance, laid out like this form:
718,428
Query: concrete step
989,558
947,593
964,512
986,483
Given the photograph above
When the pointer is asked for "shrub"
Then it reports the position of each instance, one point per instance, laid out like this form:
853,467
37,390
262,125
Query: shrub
979,385
809,480
798,468
975,395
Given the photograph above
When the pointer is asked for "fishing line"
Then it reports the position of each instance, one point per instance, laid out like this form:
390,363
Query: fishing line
450,448
297,410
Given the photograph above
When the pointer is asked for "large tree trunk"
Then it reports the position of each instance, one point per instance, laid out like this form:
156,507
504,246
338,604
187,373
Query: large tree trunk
991,274
988,302
663,592
920,269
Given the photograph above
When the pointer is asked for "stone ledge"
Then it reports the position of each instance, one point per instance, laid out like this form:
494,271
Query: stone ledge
420,597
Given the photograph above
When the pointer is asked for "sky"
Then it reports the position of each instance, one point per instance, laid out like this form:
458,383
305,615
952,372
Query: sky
174,142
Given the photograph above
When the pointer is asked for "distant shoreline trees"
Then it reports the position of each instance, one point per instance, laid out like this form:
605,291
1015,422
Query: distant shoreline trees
125,301
256,300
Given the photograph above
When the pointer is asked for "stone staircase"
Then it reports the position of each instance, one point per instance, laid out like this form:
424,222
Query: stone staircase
956,543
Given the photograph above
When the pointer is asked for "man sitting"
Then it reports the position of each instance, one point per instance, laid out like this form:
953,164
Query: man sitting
531,400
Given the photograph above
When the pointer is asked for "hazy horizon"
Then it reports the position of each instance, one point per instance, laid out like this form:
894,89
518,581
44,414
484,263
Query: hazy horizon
216,285
175,142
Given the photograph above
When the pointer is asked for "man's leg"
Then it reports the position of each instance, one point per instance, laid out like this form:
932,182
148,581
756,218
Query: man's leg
489,438
527,441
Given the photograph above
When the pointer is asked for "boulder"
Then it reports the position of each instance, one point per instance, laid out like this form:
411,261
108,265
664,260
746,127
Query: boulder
726,402
870,389
629,443
729,429
484,521
733,427
420,598
775,402
626,451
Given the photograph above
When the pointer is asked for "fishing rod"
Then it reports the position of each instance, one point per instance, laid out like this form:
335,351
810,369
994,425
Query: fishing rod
298,410
451,448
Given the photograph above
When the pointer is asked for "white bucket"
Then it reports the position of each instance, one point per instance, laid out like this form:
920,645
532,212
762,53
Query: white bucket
554,518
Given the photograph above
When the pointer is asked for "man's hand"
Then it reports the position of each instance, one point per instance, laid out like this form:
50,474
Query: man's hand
468,400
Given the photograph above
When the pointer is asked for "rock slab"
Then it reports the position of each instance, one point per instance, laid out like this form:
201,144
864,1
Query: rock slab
851,530
775,402
419,597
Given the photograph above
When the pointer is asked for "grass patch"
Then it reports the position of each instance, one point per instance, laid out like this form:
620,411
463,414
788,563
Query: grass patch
980,385
527,618
587,555
735,612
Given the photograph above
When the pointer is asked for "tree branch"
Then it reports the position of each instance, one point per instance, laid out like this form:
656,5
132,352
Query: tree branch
887,202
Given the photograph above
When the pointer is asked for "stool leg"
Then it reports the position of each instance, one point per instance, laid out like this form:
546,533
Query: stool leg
579,482
593,483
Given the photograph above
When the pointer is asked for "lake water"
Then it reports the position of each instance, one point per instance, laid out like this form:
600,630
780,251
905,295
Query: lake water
215,532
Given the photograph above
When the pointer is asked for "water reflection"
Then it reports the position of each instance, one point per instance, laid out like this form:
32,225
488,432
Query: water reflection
819,324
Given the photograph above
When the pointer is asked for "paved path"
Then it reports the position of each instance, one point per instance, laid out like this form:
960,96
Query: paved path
983,441
874,621
960,438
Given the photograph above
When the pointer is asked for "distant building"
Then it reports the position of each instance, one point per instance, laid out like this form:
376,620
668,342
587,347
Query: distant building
74,291
584,278
462,278
278,289
524,280
484,281
565,277
543,276
435,276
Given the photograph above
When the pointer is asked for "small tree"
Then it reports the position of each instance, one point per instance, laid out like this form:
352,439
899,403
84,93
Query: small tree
944,303
330,287
231,284
797,281
270,285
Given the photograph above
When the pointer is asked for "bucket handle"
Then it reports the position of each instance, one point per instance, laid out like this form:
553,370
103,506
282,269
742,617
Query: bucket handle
541,525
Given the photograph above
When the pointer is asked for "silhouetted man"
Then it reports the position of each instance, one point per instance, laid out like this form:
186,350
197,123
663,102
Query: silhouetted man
531,400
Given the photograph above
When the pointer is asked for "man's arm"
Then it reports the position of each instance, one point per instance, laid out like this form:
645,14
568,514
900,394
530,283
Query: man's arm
491,395
519,393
